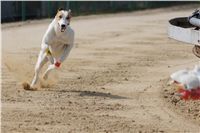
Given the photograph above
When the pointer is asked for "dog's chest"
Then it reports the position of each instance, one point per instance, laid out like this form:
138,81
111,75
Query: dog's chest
59,40
57,45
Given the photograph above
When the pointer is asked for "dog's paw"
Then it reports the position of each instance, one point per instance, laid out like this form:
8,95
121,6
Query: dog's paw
32,89
26,86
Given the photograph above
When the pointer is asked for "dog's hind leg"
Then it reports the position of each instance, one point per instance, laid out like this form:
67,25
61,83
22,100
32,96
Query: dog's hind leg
56,65
49,69
42,59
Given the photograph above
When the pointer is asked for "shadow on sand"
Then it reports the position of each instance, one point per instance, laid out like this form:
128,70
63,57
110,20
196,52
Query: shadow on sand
93,94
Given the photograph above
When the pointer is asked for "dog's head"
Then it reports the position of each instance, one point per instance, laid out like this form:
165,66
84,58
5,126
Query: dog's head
63,18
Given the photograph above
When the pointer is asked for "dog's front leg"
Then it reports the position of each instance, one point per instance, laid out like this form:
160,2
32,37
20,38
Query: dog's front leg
65,52
57,63
42,59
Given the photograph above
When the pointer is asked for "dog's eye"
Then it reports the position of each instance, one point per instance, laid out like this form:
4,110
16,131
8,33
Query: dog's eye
60,16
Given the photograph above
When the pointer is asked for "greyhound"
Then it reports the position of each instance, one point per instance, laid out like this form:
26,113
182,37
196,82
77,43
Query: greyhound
56,44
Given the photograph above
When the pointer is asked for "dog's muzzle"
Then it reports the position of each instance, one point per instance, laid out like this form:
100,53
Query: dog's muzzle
63,27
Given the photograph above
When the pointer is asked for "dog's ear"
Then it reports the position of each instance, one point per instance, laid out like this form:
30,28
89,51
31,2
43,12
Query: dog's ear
69,13
59,9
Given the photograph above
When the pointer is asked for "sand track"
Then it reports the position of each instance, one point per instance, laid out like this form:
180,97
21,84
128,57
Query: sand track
111,82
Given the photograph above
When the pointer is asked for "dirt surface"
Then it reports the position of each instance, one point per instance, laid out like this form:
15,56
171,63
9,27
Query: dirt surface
115,79
188,108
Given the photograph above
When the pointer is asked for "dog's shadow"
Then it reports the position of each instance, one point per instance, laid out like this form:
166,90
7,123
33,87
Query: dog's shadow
93,94
100,94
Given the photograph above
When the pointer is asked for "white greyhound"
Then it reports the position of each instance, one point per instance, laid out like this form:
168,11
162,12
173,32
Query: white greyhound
56,44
